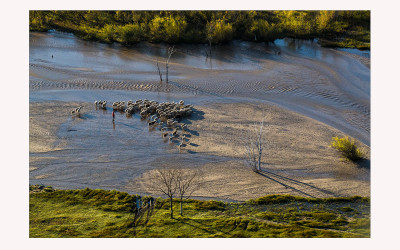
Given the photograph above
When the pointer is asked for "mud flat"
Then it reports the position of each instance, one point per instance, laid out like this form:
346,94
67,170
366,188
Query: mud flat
297,160
308,95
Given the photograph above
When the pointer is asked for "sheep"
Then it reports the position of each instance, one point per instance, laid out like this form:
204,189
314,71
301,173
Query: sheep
184,126
76,110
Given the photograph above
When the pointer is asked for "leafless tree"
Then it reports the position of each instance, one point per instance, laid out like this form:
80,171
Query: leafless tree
187,182
171,50
159,72
254,147
164,180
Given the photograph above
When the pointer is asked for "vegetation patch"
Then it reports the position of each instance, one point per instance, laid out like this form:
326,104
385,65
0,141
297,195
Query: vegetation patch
349,29
347,147
107,214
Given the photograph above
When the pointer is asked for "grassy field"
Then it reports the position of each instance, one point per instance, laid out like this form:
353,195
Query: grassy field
98,213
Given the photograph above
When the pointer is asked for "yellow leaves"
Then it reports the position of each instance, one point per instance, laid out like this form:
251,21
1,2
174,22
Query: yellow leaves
347,147
219,31
324,18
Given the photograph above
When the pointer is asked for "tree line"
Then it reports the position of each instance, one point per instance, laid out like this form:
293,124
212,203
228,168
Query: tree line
130,27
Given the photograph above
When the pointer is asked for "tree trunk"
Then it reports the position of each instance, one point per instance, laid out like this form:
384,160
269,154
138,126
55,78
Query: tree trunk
172,212
166,73
181,208
159,72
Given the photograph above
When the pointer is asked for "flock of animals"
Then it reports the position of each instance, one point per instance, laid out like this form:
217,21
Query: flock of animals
167,116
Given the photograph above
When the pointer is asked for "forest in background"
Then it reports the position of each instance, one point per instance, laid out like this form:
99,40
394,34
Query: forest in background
349,29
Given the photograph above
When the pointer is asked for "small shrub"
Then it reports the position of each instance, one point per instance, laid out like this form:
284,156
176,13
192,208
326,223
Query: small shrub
48,189
347,209
209,205
347,147
340,221
322,216
276,199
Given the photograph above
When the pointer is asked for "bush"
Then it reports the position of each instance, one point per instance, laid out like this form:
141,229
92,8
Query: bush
219,31
276,199
169,29
129,34
209,205
347,147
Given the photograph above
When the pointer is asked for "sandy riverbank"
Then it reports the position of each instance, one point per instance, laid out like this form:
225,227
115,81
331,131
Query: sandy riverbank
297,159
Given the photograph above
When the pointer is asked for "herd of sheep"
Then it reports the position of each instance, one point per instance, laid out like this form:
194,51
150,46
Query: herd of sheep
166,115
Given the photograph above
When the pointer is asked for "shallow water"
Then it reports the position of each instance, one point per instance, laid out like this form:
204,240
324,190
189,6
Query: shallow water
98,152
322,83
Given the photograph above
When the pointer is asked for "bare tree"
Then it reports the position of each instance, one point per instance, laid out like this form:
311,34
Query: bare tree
171,50
164,180
254,147
159,72
187,182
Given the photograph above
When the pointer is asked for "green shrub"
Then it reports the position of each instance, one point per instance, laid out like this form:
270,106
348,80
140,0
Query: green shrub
219,31
347,147
347,209
276,199
209,205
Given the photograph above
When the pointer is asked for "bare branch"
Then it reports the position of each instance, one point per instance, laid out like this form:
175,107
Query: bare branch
171,50
159,72
254,146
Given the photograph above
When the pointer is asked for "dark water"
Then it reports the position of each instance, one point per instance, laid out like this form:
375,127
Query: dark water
321,83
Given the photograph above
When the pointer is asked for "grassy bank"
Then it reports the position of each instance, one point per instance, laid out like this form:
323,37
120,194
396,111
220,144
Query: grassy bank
100,213
334,28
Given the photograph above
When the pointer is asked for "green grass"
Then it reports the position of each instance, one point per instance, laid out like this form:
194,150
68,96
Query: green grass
100,213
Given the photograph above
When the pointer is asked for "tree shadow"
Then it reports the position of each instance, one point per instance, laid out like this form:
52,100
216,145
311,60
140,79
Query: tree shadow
192,132
202,226
364,163
290,183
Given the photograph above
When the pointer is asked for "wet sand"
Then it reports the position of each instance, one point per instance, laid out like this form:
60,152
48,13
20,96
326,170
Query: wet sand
328,85
297,159
308,95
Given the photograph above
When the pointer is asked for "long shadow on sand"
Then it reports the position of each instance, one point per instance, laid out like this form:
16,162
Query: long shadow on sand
297,186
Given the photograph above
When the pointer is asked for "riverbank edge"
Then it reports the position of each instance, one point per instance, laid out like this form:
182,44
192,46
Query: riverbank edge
342,42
